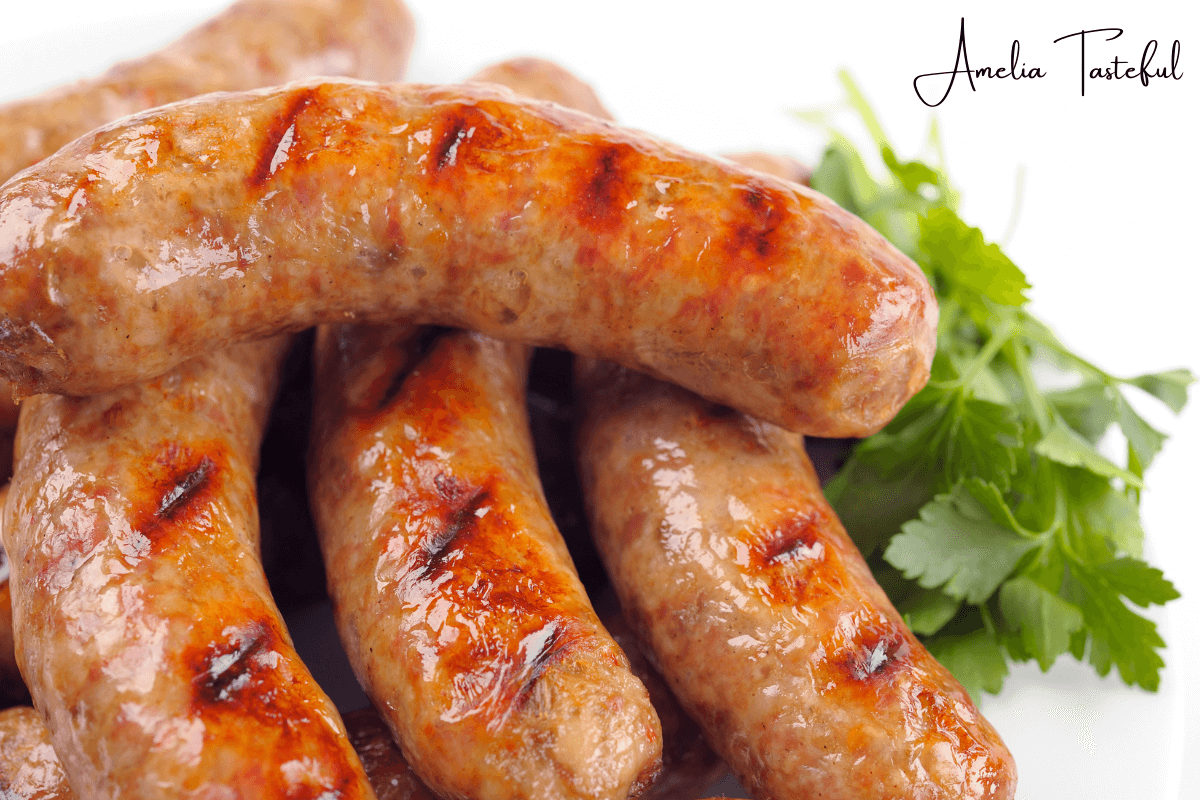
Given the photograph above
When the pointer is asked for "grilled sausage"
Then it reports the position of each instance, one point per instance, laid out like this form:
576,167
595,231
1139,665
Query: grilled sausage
454,595
462,206
254,43
780,166
759,610
144,626
29,767
539,79
468,680
689,765
391,776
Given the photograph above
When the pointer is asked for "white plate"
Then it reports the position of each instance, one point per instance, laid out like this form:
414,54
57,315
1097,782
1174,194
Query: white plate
1106,233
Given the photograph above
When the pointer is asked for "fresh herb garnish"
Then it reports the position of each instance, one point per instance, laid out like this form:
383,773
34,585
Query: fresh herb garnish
986,510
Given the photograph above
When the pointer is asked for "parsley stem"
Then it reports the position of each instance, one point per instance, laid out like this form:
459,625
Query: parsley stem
1037,402
1015,214
1041,333
999,338
859,103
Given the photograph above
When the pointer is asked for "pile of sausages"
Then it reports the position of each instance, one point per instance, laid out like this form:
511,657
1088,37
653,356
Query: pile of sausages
151,273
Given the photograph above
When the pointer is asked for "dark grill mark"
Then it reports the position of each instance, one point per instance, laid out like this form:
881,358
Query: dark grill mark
555,646
417,350
229,669
446,149
876,654
466,137
788,561
185,489
274,135
181,483
783,542
461,501
754,231
604,187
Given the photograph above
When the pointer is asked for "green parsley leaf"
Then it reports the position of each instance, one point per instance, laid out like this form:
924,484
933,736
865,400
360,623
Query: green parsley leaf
986,510
926,611
1141,583
958,253
1170,386
1144,440
1064,445
974,658
1102,511
1087,409
982,442
1118,636
1043,620
911,174
958,544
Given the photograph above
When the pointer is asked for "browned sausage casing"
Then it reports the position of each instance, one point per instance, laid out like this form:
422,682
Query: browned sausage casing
254,43
759,610
455,597
689,765
29,767
784,167
234,216
391,776
144,625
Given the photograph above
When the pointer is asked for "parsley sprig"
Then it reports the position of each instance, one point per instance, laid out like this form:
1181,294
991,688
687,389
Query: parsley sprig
999,529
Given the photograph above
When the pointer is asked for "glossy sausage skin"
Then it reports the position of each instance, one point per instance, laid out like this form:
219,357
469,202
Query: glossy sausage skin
391,776
689,764
784,167
253,43
539,79
454,595
234,216
29,767
759,610
144,625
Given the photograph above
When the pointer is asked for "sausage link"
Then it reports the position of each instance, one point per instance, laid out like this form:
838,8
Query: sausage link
689,764
254,43
234,216
525,660
29,767
455,598
784,167
391,776
759,610
144,625
539,79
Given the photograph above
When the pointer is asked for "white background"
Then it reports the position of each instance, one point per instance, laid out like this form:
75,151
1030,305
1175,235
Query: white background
1106,233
